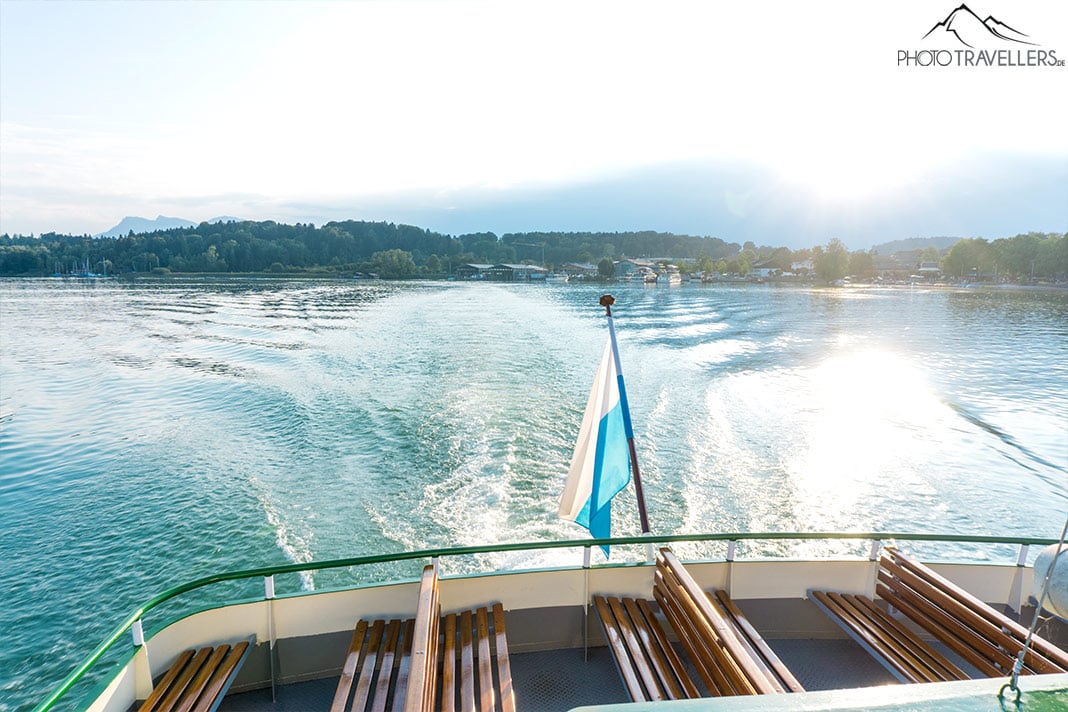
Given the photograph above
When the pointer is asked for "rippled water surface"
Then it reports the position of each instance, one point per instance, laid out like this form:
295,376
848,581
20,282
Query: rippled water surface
154,433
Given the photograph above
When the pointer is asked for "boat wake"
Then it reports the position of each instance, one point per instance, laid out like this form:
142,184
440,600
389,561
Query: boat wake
1018,453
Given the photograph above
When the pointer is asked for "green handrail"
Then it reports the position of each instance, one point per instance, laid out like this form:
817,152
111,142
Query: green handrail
170,593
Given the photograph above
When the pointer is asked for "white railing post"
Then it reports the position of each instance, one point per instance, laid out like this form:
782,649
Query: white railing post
142,666
873,557
732,550
138,632
268,593
876,547
587,554
1016,597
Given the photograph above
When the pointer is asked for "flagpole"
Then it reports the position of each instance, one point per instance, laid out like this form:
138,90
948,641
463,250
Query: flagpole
607,301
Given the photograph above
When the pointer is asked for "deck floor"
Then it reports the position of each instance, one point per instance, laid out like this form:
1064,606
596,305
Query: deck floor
556,681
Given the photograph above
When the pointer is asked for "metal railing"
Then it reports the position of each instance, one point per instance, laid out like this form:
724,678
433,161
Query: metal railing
133,620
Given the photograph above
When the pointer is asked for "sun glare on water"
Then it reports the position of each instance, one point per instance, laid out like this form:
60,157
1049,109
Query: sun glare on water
870,412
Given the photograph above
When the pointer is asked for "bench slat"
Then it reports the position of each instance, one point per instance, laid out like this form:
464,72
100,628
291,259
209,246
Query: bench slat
467,664
404,668
485,669
619,649
749,632
224,675
671,660
448,665
386,668
504,666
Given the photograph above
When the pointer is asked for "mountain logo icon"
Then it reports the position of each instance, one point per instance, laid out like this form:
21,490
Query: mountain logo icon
966,28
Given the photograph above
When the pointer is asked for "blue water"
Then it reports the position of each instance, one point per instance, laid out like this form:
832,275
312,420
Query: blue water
153,433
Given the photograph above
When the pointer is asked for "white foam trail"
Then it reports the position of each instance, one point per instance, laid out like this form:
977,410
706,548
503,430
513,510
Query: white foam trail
295,547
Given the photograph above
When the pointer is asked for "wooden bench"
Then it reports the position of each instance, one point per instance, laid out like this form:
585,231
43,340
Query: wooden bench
198,679
900,650
395,665
988,640
729,655
395,659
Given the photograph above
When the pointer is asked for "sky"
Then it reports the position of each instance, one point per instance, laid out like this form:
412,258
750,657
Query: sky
782,122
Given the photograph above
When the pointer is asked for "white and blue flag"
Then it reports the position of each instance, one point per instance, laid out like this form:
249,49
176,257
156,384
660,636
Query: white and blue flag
600,465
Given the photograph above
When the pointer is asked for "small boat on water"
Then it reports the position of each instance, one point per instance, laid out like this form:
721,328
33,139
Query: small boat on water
730,621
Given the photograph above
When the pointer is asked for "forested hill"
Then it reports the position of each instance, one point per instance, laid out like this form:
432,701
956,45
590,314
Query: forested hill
342,247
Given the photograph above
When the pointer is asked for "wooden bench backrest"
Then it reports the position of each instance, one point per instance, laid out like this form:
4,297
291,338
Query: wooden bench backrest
422,675
720,657
987,639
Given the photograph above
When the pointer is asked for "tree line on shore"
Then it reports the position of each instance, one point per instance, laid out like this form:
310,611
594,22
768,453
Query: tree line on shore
404,251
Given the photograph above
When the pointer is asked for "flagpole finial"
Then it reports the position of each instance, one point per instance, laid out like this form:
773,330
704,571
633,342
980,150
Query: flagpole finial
607,300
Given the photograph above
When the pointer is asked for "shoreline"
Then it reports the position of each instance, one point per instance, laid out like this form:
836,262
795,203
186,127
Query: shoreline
257,276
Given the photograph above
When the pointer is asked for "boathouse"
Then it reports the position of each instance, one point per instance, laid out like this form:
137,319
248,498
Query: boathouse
472,271
515,273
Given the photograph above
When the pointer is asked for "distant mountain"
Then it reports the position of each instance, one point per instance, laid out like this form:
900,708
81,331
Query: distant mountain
142,225
971,31
914,243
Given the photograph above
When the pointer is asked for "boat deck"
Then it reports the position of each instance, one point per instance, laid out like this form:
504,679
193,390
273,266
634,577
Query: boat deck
560,680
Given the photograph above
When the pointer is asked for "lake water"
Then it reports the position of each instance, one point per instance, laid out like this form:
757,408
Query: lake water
152,433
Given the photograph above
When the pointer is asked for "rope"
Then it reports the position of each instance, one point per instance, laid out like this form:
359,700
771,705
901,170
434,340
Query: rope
1017,667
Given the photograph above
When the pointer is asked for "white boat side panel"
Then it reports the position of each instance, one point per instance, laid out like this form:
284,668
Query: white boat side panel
340,610
545,589
118,695
636,581
990,583
792,579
